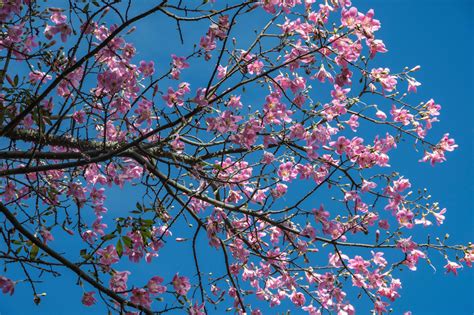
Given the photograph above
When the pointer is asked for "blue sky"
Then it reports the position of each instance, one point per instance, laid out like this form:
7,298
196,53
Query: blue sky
432,33
438,36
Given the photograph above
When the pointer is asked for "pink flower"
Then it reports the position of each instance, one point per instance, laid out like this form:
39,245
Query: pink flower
260,196
359,264
376,46
432,107
401,184
405,217
353,122
412,85
298,83
447,144
79,116
344,77
173,98
287,171
469,257
406,244
197,309
137,250
439,216
378,259
235,102
181,284
391,291
341,145
141,297
61,26
335,259
177,144
311,310
154,285
452,267
15,33
380,307
298,299
367,22
10,192
110,81
226,122
144,111
255,67
108,255
36,76
46,235
423,221
248,135
382,75
147,68
322,75
28,121
279,190
208,43
98,226
58,18
381,115
221,71
367,185
437,156
412,258
88,298
7,285
401,115
349,17
275,112
118,281
267,158
63,29
89,236
179,62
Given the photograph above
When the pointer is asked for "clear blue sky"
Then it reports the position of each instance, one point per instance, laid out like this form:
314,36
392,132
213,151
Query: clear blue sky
438,35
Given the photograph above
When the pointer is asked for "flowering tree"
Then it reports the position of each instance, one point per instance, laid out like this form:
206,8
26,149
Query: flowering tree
276,160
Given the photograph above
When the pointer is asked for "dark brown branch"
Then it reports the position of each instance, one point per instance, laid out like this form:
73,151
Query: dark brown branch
73,267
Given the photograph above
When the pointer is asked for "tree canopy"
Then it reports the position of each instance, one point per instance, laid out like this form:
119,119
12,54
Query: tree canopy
263,142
